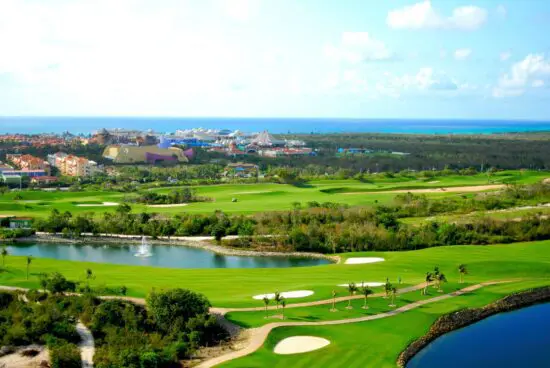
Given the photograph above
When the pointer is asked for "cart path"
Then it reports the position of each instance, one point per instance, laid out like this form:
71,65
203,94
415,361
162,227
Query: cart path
87,346
257,336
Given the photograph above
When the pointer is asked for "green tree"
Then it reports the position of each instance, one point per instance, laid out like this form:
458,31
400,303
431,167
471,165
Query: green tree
352,288
123,290
429,278
65,356
393,294
366,291
266,303
172,309
29,261
387,288
440,278
89,276
333,309
4,255
462,270
283,305
277,299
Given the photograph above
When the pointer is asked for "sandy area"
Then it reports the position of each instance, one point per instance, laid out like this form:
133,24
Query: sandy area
300,344
104,204
363,260
546,181
362,283
473,188
87,347
286,294
433,182
16,360
167,205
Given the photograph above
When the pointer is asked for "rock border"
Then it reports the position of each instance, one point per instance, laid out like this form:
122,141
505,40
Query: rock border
456,320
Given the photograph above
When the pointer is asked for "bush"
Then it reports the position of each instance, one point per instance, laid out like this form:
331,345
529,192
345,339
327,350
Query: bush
65,356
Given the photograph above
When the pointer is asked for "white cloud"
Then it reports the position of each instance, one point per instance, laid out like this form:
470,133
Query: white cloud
357,47
505,55
423,16
426,79
241,10
502,11
534,70
462,54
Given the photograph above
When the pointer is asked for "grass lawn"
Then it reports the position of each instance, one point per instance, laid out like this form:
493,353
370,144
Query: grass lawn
235,287
258,197
322,312
374,343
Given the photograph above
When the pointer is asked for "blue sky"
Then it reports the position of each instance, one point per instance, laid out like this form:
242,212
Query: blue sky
276,58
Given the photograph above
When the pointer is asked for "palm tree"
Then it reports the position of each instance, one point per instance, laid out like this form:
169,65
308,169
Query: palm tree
277,298
333,309
29,260
440,278
283,304
429,278
366,291
462,270
352,288
266,303
393,293
436,273
387,288
89,275
4,254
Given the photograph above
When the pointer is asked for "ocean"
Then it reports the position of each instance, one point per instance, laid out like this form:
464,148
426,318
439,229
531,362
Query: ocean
275,125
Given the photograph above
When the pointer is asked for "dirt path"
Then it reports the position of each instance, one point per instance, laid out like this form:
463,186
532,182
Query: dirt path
87,346
257,336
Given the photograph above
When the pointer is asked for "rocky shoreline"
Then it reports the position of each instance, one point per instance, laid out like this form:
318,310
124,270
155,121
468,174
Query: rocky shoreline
202,242
463,318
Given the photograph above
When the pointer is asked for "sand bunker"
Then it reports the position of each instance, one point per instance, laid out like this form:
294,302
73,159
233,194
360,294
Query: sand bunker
363,260
104,204
433,182
167,205
286,294
362,284
300,344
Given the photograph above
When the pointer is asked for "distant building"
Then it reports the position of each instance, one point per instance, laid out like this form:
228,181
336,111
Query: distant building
28,162
20,173
264,139
40,180
354,151
169,141
241,170
20,223
71,165
126,154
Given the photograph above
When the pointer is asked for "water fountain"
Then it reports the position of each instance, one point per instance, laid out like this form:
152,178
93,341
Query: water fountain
144,249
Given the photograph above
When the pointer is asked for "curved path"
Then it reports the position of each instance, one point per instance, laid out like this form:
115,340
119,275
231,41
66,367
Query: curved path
87,346
257,336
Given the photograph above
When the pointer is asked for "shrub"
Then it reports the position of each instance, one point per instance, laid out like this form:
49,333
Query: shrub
65,356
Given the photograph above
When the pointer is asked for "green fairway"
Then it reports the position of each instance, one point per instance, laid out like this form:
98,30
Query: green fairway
374,343
260,197
235,287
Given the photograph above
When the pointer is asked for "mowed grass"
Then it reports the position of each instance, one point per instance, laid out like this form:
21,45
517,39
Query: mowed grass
236,287
374,343
259,197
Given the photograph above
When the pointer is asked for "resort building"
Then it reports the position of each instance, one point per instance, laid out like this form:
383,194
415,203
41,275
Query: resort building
71,165
128,154
28,162
241,170
20,223
41,180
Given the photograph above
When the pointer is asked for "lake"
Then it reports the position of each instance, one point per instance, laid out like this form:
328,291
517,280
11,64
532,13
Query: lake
507,340
172,256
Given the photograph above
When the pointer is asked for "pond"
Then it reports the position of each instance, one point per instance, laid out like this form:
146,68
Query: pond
507,340
172,256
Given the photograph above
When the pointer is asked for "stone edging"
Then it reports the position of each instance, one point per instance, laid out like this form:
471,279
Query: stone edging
465,317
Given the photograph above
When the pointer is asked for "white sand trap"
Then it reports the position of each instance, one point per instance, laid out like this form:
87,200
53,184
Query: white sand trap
300,344
433,182
286,294
363,260
361,284
167,205
104,204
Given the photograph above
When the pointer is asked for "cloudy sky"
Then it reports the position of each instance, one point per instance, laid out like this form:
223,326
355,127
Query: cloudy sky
276,58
